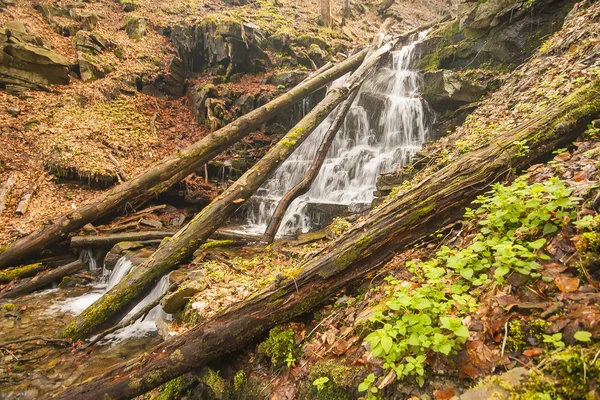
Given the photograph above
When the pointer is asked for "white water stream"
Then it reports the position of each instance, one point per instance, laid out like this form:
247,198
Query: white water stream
387,123
77,305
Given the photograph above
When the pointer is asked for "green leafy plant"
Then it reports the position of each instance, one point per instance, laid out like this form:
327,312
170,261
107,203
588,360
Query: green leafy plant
320,383
522,148
583,336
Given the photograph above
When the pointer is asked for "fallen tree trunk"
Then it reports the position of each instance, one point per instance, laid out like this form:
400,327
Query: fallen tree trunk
169,170
120,299
304,185
5,190
25,271
26,199
437,201
43,280
111,240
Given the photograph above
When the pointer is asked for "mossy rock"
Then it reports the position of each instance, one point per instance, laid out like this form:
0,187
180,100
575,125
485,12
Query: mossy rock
135,27
280,347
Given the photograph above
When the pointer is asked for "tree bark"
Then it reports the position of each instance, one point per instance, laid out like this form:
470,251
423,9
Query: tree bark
120,299
5,190
304,185
43,280
437,201
325,18
111,240
169,170
345,11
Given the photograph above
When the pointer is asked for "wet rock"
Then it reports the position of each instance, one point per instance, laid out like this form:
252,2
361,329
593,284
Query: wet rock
88,69
162,326
13,111
175,301
91,42
177,220
118,251
135,27
448,90
154,223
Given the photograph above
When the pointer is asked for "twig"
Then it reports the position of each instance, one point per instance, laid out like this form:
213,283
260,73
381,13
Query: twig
319,324
120,172
32,338
505,338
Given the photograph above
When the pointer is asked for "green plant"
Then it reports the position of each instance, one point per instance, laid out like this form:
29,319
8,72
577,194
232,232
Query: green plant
280,347
319,383
555,340
583,336
522,148
426,315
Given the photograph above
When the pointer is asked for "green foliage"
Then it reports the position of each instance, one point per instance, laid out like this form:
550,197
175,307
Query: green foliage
583,336
426,315
319,383
522,148
591,132
555,340
339,226
280,347
239,380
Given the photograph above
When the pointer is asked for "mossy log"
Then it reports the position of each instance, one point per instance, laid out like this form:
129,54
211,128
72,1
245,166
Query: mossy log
169,170
439,200
120,299
43,280
21,272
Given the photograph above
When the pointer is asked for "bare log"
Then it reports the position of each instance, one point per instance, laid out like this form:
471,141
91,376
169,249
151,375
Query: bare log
43,280
110,240
5,190
120,299
169,170
26,199
438,201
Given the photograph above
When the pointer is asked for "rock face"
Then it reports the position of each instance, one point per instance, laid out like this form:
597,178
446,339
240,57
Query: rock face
26,60
67,19
91,42
206,44
501,32
448,90
88,70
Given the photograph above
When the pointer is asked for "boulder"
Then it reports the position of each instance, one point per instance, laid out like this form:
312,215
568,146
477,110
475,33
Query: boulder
135,27
288,79
31,66
318,55
118,251
127,5
88,70
448,90
91,42
177,300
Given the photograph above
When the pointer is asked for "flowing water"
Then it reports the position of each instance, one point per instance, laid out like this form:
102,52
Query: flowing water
77,305
387,123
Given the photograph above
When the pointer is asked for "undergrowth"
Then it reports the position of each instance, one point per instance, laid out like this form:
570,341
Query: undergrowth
425,316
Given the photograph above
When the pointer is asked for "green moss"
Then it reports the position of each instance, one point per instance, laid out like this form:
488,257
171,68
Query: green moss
568,374
340,385
170,390
20,272
239,380
215,382
8,307
515,339
211,244
280,347
288,143
339,226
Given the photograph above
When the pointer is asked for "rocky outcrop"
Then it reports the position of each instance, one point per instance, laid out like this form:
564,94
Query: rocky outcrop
195,283
501,32
448,90
91,42
234,46
67,19
26,60
88,69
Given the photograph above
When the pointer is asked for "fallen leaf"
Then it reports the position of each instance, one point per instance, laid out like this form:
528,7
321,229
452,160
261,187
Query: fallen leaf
536,351
444,394
566,284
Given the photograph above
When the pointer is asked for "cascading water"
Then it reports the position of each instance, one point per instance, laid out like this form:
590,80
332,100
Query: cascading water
387,123
77,305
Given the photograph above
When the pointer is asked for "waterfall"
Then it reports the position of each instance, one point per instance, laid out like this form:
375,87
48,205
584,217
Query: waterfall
387,123
90,258
77,305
